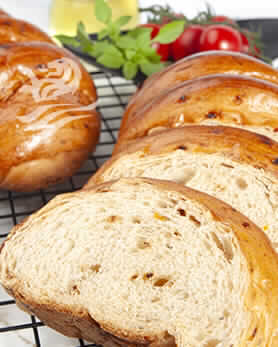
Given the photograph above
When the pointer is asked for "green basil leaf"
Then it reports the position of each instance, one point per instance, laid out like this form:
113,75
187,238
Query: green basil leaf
111,61
82,36
134,33
130,70
100,48
130,53
170,32
114,51
122,21
139,58
103,12
143,40
150,68
126,42
68,40
102,34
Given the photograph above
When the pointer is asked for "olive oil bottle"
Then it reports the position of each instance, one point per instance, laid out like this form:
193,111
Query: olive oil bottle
65,15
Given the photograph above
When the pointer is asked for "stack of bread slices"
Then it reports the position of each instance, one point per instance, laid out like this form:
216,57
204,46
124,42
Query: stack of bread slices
172,242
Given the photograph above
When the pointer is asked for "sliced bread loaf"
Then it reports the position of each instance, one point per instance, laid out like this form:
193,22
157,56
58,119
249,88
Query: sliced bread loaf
143,262
235,165
197,65
216,99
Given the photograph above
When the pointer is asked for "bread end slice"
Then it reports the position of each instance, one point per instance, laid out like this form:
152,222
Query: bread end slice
145,262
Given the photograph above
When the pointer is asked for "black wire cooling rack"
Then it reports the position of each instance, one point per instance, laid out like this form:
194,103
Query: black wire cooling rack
17,329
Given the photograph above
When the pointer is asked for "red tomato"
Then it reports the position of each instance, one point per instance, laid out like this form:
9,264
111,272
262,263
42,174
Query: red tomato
187,43
155,28
162,50
245,48
220,19
220,37
245,44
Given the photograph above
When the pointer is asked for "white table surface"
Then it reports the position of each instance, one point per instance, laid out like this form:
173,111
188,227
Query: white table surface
36,11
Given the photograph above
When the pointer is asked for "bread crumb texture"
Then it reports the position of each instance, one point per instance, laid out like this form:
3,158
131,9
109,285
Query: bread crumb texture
251,190
141,261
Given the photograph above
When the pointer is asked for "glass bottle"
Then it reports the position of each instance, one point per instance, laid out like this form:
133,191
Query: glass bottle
65,15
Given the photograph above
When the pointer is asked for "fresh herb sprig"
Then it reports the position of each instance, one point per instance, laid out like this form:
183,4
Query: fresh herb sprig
131,51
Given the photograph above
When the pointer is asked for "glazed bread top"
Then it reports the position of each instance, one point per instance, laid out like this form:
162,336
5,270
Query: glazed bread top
234,165
216,99
14,30
46,107
197,65
4,13
152,262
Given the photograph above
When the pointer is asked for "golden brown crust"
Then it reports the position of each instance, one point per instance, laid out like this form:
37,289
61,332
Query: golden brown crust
14,30
224,98
194,66
240,145
44,138
4,13
262,262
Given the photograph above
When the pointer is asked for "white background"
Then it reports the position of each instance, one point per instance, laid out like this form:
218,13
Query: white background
36,11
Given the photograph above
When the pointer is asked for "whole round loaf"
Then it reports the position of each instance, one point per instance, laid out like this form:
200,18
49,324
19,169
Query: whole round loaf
197,65
48,121
13,30
215,99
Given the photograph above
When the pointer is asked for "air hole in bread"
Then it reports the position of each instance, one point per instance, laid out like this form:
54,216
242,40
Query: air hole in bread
155,299
254,333
241,183
95,267
74,290
224,246
212,343
162,204
136,220
177,234
182,212
188,175
134,277
227,165
113,219
143,244
161,282
195,220
148,276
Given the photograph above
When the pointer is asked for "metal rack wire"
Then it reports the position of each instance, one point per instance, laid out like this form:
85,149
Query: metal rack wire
17,329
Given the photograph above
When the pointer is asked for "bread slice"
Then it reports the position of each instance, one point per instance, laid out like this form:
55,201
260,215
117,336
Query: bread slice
234,165
145,262
197,65
216,99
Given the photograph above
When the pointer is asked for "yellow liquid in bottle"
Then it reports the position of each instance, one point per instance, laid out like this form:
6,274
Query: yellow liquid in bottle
65,15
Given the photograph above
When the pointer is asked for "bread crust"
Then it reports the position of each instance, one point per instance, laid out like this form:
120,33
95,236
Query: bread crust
262,261
225,99
240,145
194,66
43,139
14,30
